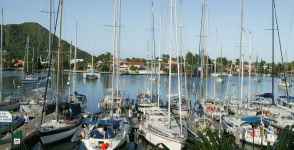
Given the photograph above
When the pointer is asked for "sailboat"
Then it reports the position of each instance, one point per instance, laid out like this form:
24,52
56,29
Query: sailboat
110,132
92,73
28,78
68,117
75,97
159,126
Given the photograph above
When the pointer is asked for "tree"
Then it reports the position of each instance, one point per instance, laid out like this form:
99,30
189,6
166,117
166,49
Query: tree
133,68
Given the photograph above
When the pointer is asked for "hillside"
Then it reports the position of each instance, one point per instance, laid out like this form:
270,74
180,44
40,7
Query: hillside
15,38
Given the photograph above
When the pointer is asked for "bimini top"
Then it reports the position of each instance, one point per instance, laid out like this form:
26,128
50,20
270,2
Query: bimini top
254,119
113,123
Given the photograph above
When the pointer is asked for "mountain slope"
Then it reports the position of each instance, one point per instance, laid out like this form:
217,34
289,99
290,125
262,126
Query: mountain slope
15,38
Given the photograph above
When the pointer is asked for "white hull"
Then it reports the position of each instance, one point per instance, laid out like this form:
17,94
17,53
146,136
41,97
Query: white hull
155,138
59,136
91,75
113,143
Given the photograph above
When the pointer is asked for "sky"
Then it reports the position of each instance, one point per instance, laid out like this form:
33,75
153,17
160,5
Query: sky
95,18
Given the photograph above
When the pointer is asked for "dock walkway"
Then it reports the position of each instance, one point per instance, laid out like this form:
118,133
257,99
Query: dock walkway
26,133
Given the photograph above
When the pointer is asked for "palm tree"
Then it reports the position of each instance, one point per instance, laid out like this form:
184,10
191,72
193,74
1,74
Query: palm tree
210,140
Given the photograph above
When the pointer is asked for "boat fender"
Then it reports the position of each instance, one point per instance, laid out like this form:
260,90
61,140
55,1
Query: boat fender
66,121
252,134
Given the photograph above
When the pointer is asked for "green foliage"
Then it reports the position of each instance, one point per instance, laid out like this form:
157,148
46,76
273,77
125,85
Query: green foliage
133,68
82,65
209,140
15,39
104,68
285,140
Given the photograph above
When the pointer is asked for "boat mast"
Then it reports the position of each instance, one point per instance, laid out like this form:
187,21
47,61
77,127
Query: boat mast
118,47
240,92
69,75
1,80
215,47
159,61
179,74
92,53
273,49
250,53
27,51
170,59
58,61
114,55
75,64
152,54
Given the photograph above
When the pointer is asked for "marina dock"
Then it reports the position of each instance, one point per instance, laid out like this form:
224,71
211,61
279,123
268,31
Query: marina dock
5,141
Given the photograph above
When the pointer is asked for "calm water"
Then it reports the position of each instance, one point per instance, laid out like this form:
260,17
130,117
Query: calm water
132,84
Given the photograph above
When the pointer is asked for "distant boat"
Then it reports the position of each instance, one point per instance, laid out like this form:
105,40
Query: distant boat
28,78
284,83
219,79
91,74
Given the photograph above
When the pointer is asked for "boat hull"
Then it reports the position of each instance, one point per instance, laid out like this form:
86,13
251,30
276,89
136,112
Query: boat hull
57,135
155,139
9,107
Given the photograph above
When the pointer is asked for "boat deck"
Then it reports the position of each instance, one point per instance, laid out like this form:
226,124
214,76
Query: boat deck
26,133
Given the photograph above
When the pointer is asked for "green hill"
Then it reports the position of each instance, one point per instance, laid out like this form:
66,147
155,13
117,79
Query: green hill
15,38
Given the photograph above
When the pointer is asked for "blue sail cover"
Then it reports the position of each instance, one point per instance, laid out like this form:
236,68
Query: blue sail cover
254,119
113,123
75,108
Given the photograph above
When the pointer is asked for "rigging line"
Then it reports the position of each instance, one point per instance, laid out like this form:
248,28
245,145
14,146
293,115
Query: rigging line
196,81
281,51
49,66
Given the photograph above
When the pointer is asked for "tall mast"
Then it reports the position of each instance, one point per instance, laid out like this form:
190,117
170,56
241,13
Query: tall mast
50,26
58,61
114,54
273,49
27,51
75,63
69,76
1,55
240,56
118,47
152,49
92,53
215,47
170,59
182,46
179,74
250,53
159,61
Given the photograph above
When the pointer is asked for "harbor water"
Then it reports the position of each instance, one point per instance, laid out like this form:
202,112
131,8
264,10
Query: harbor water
133,84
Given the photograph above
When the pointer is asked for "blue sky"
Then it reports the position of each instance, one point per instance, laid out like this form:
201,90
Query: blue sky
93,16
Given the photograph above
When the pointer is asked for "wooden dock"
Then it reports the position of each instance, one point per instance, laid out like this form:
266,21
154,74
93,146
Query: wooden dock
26,133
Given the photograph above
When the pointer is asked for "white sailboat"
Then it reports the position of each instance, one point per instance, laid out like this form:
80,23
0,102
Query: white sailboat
28,78
92,73
68,117
160,126
112,131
